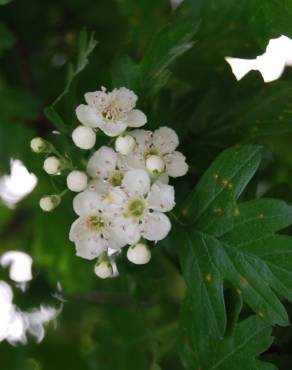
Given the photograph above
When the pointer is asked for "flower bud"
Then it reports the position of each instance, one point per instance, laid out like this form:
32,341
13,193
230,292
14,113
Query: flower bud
39,145
84,137
155,164
49,202
103,269
77,181
125,144
139,254
52,165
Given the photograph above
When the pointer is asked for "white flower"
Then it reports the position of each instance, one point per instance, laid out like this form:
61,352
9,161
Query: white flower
111,112
139,254
155,164
77,181
139,207
92,232
103,269
49,202
52,165
39,145
125,144
84,137
105,165
156,151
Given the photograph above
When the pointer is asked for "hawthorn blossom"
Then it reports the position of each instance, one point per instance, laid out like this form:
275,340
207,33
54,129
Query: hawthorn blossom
157,153
92,232
112,112
140,207
105,166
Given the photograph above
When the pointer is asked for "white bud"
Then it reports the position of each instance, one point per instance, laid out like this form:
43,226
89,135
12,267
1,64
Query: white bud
49,202
139,254
125,144
77,181
39,145
155,164
52,165
103,269
84,137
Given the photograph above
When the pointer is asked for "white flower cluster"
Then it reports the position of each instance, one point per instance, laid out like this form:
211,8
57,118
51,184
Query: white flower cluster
124,194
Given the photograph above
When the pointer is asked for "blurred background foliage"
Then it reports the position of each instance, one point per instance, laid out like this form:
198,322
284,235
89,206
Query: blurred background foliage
174,60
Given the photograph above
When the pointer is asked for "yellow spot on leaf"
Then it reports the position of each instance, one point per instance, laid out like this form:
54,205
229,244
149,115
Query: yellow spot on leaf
243,280
224,183
208,278
261,216
218,211
236,212
216,176
261,314
230,186
184,212
238,291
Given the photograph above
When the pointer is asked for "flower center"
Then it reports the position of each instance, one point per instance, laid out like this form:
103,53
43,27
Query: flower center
95,222
113,112
151,151
116,178
135,208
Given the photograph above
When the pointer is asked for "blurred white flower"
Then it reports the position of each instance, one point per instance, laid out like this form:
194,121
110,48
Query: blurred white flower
15,324
271,64
112,112
20,265
17,185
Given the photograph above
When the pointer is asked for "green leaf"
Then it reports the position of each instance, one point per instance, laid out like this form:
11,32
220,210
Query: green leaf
269,19
167,45
56,119
125,72
7,39
266,112
232,242
250,338
86,43
4,2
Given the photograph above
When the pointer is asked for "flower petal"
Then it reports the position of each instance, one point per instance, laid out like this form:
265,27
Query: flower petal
124,98
127,230
97,99
91,247
163,178
165,140
88,116
132,161
113,129
87,202
143,140
176,164
99,186
136,182
156,226
161,197
136,118
102,162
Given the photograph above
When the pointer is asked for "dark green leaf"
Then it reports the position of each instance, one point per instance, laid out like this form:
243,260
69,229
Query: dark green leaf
232,242
4,2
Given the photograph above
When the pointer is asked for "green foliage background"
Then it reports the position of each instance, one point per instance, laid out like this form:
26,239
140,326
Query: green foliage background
216,293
